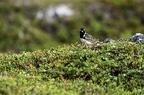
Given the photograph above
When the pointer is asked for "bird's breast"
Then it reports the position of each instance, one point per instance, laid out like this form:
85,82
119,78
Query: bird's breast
86,41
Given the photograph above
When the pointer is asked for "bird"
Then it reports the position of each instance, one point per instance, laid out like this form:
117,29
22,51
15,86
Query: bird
86,38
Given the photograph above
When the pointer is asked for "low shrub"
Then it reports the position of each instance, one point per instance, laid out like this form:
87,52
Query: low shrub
110,68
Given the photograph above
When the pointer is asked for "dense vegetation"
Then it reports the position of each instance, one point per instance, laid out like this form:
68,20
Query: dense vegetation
113,68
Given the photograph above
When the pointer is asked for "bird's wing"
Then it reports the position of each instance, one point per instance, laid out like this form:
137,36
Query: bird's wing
90,38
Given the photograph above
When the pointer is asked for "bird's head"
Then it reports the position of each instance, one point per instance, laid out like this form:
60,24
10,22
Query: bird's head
82,32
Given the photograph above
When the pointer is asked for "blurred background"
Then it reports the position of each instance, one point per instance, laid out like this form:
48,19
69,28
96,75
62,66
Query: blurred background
28,25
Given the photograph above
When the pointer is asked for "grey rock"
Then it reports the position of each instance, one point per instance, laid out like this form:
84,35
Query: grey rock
137,38
108,40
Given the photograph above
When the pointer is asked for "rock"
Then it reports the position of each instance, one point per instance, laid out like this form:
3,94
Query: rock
108,40
121,40
138,37
54,12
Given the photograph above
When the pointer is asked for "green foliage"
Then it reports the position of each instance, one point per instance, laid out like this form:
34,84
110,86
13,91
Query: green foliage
18,32
22,31
113,68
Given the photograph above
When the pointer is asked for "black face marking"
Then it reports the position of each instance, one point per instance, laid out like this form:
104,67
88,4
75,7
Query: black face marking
82,33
